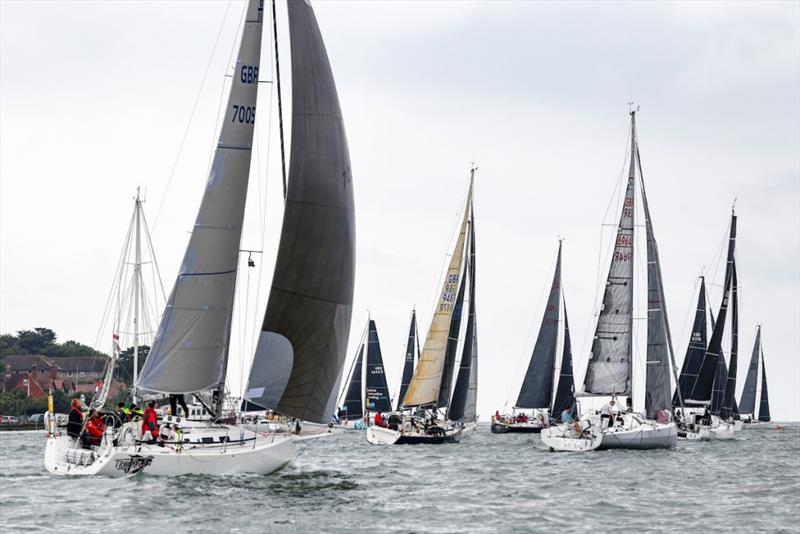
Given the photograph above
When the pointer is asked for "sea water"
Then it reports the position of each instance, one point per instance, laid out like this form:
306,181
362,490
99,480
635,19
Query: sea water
486,483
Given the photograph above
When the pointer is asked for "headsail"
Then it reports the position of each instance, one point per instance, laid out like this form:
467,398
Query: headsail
660,357
565,392
537,386
376,393
412,347
353,402
463,405
720,379
696,349
302,345
729,407
748,402
701,391
424,387
190,349
609,370
763,410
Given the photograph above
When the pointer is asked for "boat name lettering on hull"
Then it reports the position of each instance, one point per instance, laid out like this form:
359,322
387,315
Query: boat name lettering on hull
133,464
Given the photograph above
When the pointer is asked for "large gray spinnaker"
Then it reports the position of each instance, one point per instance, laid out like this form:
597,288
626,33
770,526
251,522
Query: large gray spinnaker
748,402
609,370
301,349
537,386
190,349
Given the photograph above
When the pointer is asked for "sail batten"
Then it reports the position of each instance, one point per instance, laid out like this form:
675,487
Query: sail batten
190,349
301,348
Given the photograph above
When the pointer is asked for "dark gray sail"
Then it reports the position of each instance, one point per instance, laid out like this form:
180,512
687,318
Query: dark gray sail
565,392
452,346
660,357
748,402
190,350
720,379
302,345
763,409
458,404
729,407
696,349
376,395
701,391
353,403
408,367
537,387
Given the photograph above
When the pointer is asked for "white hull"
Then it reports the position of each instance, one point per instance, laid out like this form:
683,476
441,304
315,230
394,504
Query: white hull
634,433
246,453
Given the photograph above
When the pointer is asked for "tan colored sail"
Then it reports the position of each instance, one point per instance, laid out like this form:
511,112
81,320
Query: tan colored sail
424,387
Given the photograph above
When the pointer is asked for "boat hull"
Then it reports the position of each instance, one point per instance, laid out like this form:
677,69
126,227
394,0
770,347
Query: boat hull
262,455
654,436
635,433
385,436
515,428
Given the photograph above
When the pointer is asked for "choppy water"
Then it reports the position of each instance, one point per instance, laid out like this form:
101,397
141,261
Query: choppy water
486,483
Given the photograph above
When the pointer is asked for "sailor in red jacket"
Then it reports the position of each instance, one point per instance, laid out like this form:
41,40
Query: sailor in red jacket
150,421
379,420
94,428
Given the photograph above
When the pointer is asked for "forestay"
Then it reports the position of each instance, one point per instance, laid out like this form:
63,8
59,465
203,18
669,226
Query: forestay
190,349
301,349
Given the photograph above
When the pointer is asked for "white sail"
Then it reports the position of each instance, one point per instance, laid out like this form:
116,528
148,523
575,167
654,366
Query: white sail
424,387
609,370
190,350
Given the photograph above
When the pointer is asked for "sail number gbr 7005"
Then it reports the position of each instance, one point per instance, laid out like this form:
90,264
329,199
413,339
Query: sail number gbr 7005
248,74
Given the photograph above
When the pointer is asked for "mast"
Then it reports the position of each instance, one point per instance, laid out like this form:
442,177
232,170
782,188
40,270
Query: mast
610,362
693,360
748,402
408,366
537,386
137,277
701,391
427,381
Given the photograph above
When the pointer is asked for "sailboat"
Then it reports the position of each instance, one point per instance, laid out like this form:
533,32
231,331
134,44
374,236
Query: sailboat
609,372
301,347
374,397
747,405
707,386
538,385
438,416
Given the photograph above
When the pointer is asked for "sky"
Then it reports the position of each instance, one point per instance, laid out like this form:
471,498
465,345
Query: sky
98,98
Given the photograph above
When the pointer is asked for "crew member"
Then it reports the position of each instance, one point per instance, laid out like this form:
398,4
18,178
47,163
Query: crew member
607,412
94,429
174,400
379,420
150,422
75,423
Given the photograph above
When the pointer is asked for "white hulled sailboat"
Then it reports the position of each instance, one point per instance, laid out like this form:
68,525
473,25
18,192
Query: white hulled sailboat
609,373
301,348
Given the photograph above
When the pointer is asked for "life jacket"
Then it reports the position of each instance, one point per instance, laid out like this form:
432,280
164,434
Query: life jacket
150,421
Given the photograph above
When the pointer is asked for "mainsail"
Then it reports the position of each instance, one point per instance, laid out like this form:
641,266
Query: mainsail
696,349
748,402
720,379
408,367
609,370
537,386
701,391
763,409
463,404
452,347
565,392
301,348
376,393
426,383
190,349
353,402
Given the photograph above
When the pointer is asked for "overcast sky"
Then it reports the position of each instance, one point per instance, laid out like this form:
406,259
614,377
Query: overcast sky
95,98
